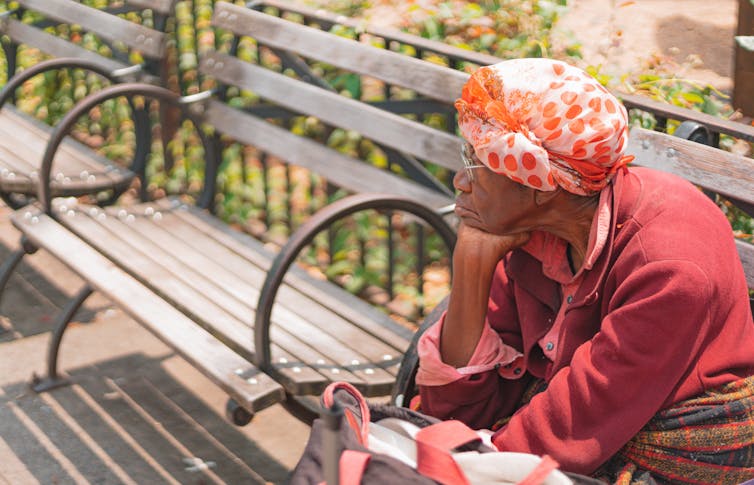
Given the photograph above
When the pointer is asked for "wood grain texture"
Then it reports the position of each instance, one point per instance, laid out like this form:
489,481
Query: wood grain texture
420,43
111,27
200,348
722,172
384,127
343,171
715,124
22,33
213,282
77,169
431,80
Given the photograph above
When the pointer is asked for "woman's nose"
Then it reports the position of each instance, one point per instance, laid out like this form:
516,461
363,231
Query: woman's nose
461,181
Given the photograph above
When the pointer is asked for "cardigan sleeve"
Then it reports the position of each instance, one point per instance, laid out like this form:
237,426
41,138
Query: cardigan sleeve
491,353
476,394
617,381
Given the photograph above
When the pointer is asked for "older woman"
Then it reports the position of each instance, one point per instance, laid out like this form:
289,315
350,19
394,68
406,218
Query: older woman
598,314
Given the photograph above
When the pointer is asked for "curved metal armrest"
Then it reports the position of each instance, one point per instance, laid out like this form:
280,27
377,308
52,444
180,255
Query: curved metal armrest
405,382
63,128
304,236
51,65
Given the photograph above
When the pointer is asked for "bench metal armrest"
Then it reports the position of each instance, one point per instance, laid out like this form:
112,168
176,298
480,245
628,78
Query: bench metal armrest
304,235
63,128
51,65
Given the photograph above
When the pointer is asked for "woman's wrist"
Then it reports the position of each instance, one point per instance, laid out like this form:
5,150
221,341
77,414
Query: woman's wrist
467,307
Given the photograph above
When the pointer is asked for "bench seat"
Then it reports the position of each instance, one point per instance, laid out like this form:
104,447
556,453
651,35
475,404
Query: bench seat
211,275
78,169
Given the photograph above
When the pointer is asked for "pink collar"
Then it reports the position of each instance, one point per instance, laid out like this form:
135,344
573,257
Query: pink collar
551,250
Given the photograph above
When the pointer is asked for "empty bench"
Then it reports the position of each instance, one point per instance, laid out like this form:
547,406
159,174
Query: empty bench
207,290
80,170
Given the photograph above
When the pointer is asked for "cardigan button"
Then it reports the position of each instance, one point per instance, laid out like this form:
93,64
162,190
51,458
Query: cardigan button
517,370
569,299
549,346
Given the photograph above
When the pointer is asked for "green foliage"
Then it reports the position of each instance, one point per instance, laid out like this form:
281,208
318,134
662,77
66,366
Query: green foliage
504,28
349,8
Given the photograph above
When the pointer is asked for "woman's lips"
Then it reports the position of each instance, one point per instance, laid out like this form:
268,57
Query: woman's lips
462,211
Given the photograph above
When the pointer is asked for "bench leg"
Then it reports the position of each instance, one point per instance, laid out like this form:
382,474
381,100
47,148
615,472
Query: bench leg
53,380
10,264
15,201
237,414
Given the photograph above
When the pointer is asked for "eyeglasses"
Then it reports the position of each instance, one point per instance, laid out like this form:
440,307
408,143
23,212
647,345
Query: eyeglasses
468,161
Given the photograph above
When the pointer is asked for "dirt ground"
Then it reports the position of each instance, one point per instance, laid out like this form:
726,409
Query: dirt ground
694,38
695,35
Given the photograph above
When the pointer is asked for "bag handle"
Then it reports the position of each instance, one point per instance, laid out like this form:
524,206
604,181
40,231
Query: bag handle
433,446
353,464
540,472
434,459
360,428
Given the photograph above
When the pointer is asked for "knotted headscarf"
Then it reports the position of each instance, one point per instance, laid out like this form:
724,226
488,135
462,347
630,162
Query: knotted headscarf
544,123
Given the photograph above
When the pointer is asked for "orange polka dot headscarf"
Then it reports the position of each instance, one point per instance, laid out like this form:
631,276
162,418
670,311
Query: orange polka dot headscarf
544,124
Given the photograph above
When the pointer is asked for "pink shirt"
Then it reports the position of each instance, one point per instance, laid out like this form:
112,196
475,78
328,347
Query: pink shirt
491,352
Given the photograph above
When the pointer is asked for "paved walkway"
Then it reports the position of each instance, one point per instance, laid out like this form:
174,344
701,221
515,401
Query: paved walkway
135,414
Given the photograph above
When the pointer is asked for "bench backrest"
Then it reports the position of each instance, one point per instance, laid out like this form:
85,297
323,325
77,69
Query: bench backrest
150,43
383,127
712,169
455,57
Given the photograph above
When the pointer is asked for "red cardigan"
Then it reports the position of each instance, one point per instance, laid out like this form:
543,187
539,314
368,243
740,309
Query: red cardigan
662,316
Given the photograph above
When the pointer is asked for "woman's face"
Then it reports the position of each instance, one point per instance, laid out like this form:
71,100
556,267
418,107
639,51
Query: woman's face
492,202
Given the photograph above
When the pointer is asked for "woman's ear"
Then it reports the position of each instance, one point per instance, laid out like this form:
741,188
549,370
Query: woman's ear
542,197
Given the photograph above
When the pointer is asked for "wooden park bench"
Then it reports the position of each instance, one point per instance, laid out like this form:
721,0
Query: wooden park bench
208,290
80,170
259,326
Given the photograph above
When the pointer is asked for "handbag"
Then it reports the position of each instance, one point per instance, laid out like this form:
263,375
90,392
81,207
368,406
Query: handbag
356,442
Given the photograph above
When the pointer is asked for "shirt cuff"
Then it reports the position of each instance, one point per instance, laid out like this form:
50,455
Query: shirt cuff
490,353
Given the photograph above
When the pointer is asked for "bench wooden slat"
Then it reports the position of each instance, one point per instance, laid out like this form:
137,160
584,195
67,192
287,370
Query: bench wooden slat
208,313
77,168
341,170
234,294
200,348
347,305
384,127
715,124
298,302
30,136
723,172
181,276
431,80
22,33
149,42
420,43
339,340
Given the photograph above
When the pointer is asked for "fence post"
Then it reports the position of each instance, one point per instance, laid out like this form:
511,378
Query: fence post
743,79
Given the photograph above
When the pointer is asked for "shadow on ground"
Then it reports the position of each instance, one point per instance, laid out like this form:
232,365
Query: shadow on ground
31,300
713,44
144,428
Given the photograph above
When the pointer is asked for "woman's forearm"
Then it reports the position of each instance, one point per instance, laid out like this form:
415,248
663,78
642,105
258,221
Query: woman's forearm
467,307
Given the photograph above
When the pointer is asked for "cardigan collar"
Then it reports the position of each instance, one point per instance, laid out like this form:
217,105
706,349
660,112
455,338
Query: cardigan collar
526,270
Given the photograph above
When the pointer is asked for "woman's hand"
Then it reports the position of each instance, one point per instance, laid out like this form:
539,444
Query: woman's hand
488,248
